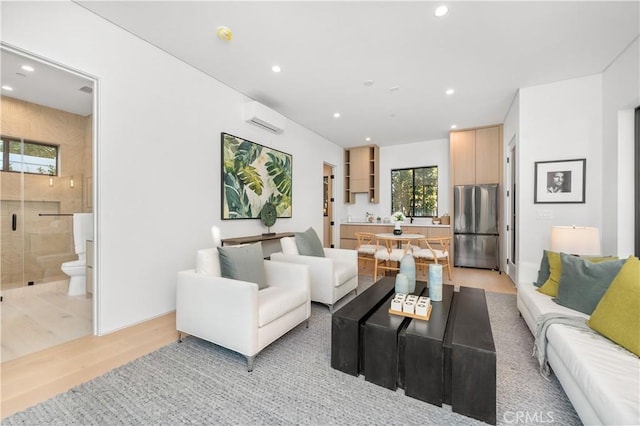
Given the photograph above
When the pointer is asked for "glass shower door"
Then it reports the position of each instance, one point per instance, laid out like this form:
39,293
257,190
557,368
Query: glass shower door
36,236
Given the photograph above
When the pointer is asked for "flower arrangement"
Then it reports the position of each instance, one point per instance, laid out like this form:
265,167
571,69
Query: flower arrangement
398,217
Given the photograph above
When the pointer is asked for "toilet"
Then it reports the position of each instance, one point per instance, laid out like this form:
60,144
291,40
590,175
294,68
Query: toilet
77,269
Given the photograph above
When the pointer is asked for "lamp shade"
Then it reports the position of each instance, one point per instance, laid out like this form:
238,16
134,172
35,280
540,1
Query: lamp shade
579,240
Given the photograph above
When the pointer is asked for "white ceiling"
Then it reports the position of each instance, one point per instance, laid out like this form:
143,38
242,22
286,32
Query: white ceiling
46,85
327,50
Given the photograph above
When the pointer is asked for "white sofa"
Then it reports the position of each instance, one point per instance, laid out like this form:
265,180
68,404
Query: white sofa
332,277
601,379
235,314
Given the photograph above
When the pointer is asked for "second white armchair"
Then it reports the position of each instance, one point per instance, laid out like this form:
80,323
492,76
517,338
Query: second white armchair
333,276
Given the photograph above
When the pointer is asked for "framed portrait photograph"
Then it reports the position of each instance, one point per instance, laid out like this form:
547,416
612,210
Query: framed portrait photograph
252,176
559,182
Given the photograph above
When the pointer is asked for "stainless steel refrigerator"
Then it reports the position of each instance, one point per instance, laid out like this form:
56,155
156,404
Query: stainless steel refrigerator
475,226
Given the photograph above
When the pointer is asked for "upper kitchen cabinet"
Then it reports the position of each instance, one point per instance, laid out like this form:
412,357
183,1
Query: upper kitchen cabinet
476,155
361,172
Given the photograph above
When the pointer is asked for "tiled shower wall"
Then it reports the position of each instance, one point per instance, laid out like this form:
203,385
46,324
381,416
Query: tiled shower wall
40,244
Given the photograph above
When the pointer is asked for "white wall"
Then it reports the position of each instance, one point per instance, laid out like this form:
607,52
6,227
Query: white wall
557,121
158,155
621,94
419,154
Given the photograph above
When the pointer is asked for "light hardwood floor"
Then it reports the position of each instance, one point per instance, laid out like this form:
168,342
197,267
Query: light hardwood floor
42,316
36,377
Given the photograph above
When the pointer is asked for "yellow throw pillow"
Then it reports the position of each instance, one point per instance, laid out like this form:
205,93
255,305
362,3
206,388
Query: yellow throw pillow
550,287
617,316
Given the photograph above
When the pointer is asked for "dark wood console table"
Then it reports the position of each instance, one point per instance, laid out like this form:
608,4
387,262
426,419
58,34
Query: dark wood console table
234,241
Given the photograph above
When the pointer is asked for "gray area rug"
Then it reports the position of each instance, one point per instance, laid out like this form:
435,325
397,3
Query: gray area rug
196,382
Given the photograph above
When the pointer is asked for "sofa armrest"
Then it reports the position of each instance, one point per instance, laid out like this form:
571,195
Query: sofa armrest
287,275
219,310
320,268
341,254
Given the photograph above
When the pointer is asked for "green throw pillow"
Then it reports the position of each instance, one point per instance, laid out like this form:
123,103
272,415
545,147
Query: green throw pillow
583,282
617,316
543,272
550,287
244,263
309,244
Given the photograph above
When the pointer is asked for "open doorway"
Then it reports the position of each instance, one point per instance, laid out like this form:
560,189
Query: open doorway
47,144
327,205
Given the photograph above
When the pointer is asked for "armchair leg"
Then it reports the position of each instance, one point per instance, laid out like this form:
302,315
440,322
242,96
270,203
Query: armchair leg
306,323
179,337
250,363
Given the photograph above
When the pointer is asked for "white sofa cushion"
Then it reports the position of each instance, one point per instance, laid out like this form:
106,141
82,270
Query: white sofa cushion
208,262
607,373
538,304
275,302
289,245
600,377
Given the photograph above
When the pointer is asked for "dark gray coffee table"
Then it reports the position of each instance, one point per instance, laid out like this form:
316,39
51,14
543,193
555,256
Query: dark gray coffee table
448,359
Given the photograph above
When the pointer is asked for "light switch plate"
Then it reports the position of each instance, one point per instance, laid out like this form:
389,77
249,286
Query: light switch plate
544,214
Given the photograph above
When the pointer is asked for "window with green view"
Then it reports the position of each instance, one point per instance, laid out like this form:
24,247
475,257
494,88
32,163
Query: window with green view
415,191
28,157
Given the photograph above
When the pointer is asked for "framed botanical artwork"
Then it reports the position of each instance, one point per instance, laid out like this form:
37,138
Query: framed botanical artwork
252,175
559,182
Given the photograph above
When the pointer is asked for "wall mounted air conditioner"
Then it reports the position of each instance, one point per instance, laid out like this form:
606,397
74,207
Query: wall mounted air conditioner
261,116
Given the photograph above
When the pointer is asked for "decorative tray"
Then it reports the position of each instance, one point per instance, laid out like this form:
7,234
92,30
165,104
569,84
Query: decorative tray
410,315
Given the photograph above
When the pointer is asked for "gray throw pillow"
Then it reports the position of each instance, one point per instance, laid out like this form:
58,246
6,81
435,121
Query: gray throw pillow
309,244
244,263
583,283
543,273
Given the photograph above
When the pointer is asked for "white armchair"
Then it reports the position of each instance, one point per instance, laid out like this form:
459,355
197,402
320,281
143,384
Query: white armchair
235,314
332,277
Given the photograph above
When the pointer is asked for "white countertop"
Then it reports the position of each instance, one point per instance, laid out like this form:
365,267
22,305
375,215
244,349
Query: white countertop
391,224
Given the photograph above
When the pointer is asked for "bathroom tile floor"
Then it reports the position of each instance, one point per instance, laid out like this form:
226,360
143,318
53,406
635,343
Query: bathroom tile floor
43,319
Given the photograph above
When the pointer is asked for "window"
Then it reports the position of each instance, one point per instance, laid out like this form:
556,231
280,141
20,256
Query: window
28,157
415,191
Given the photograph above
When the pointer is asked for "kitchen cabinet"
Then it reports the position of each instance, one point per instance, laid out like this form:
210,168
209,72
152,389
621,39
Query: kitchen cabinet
476,155
361,172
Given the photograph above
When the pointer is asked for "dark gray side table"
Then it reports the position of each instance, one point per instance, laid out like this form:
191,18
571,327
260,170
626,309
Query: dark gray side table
347,322
473,358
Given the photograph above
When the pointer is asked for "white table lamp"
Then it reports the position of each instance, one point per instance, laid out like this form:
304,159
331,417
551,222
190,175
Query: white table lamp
578,240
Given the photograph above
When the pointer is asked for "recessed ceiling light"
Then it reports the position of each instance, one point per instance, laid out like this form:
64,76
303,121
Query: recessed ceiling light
276,68
368,82
336,115
367,139
441,11
27,68
9,88
454,126
450,92
394,88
